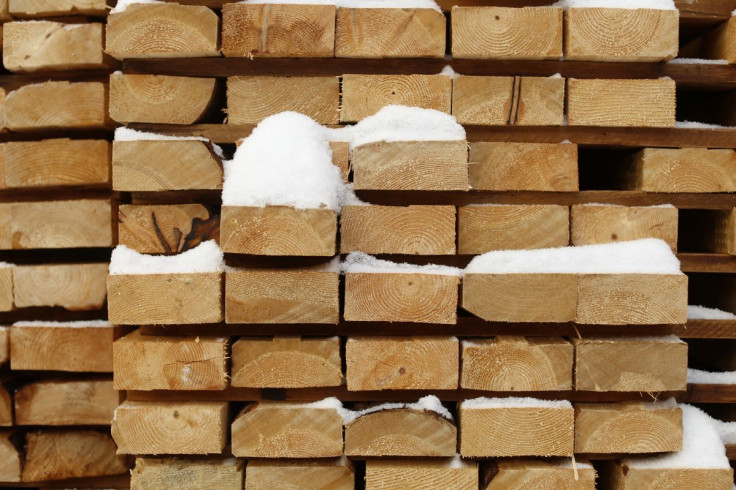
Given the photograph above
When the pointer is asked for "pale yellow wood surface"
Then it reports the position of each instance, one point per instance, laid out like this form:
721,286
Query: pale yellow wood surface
6,407
540,101
66,402
52,8
298,475
6,288
10,458
591,224
540,475
720,43
623,477
186,474
4,345
723,237
402,474
482,100
70,286
683,170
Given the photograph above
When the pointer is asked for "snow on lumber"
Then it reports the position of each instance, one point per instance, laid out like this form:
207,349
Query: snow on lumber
123,5
513,402
696,312
74,324
206,257
698,376
359,262
697,61
726,430
428,403
617,4
126,134
355,4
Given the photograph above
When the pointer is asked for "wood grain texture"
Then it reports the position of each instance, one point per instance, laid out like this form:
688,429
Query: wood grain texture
401,474
4,345
416,230
53,8
389,33
591,224
402,363
722,236
540,101
696,170
285,31
540,474
186,474
482,100
6,288
286,362
10,457
252,99
720,43
6,407
619,476
151,362
70,286
66,402
298,475
170,427
529,33
162,31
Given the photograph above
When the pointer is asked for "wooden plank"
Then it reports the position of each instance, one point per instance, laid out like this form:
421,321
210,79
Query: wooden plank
627,364
389,33
6,407
639,103
4,345
509,363
191,298
54,8
149,362
683,170
278,230
66,402
529,33
364,95
620,476
535,473
298,475
170,428
297,295
286,362
10,458
287,430
162,31
420,230
6,287
591,224
401,474
289,31
720,43
187,474
482,100
402,363
540,101
70,286
252,99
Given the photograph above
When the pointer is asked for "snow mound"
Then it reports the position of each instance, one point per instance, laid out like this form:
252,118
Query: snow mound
617,4
355,4
75,324
513,402
696,312
205,257
123,5
126,134
360,262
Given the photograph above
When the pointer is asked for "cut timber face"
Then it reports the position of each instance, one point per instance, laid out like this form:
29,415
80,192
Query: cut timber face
415,230
516,431
591,224
613,34
71,286
529,33
278,230
411,165
287,430
402,363
53,8
399,475
723,238
191,298
298,475
364,95
10,458
252,99
684,170
540,101
401,297
401,432
148,362
619,476
170,427
62,402
305,295
6,288
147,165
720,43
517,364
162,31
283,31
514,227
539,474
159,98
6,407
627,427
286,362
4,345
645,365
639,103
499,166
186,474
389,33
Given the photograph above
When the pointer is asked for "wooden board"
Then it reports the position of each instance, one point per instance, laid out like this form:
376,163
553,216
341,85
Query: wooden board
540,101
415,230
284,31
162,31
299,475
66,402
286,362
508,363
4,345
53,8
530,33
402,363
6,288
402,474
694,170
720,43
619,476
150,362
482,100
591,224
170,427
287,430
191,298
536,473
389,33
6,407
10,457
187,474
70,286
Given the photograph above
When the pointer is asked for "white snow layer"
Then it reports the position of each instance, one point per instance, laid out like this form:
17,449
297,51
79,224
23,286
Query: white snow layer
428,403
698,377
696,312
617,4
75,324
697,61
4,265
726,430
514,402
362,4
647,256
360,262
122,5
205,257
126,134
697,125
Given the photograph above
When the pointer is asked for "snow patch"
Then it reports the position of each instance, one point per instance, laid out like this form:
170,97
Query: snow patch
355,4
123,5
700,377
696,312
4,265
696,61
697,125
205,257
429,403
359,262
126,134
513,402
617,4
75,324
448,71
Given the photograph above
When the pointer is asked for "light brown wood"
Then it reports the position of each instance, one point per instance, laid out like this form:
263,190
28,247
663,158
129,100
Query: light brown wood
4,345
364,95
66,402
303,295
540,101
638,103
411,165
187,474
720,237
149,165
6,407
6,288
531,33
53,8
619,476
341,157
511,227
57,105
540,475
507,363
627,364
418,230
299,475
284,31
45,45
70,286
278,230
402,363
10,457
286,362
720,43
500,166
159,98
170,427
287,430
191,298
591,224
162,31
389,33
401,297
2,112
683,170
151,362
482,100
402,474
252,99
